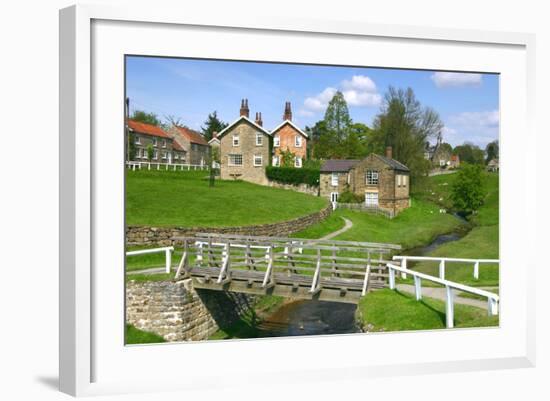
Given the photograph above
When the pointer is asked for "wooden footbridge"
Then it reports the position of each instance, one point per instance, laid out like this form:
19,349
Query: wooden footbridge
327,270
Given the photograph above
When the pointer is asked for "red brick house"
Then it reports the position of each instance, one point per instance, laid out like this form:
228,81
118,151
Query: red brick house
289,137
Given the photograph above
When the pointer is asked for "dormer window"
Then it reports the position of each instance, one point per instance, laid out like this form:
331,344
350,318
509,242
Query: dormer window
236,141
298,141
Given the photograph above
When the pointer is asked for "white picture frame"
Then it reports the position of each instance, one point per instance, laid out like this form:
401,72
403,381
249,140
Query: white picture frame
89,357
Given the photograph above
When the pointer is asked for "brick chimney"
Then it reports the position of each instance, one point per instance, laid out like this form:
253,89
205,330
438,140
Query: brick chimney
389,152
244,108
288,112
259,119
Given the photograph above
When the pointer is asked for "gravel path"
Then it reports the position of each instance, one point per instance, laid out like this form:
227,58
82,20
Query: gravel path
440,293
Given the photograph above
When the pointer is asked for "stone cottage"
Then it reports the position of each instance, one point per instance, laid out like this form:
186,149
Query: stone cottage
165,150
382,180
289,137
194,144
245,148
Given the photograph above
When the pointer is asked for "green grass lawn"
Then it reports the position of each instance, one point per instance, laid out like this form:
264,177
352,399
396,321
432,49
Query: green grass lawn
481,242
417,225
136,336
388,310
167,198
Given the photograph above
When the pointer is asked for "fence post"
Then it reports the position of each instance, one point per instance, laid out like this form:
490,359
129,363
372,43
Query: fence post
392,278
492,307
450,307
168,253
442,269
476,270
418,288
404,266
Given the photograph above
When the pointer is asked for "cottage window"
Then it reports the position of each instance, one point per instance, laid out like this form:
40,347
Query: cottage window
235,160
138,140
276,141
258,160
298,141
164,143
176,157
334,196
404,182
259,139
399,180
297,161
334,179
164,155
155,154
371,199
372,177
154,141
276,161
441,162
236,141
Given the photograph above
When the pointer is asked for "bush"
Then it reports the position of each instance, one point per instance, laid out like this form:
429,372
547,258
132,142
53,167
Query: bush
294,176
350,197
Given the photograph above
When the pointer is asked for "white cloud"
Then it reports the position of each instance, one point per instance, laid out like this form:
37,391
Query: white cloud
305,113
319,102
455,79
360,90
478,127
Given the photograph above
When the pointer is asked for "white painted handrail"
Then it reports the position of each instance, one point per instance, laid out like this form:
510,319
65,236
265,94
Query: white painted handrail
442,262
133,165
167,251
492,299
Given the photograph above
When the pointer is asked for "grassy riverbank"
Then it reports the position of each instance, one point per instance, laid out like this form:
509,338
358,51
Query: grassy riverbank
387,310
136,336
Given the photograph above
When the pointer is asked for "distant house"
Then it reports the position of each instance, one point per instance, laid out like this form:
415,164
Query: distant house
383,181
194,144
148,135
245,149
455,161
289,137
493,165
441,156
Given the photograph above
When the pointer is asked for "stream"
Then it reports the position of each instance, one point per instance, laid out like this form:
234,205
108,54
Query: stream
318,317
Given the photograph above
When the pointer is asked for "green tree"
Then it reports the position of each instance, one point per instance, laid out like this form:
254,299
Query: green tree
405,125
470,153
131,146
287,158
144,117
211,125
468,191
491,150
337,117
150,152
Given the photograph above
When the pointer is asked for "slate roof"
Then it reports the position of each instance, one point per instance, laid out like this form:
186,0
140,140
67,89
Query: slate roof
335,166
393,163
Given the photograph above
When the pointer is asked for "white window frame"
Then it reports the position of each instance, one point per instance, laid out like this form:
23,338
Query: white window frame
276,141
155,142
334,196
231,160
236,140
441,162
298,141
399,180
404,183
298,161
138,140
371,198
276,160
155,154
261,139
374,178
164,155
164,143
334,179
255,159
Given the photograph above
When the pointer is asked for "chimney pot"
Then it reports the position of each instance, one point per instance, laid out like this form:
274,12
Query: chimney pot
389,152
288,112
244,108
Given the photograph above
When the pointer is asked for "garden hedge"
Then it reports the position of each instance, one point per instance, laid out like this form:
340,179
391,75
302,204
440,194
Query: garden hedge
294,176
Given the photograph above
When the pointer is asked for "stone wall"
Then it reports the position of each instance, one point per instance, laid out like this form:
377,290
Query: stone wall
162,236
177,312
303,188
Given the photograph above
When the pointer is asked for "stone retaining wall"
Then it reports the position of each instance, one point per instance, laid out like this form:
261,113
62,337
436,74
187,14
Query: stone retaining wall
177,312
162,236
303,188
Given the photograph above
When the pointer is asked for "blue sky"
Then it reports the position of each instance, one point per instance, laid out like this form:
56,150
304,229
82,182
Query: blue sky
191,89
